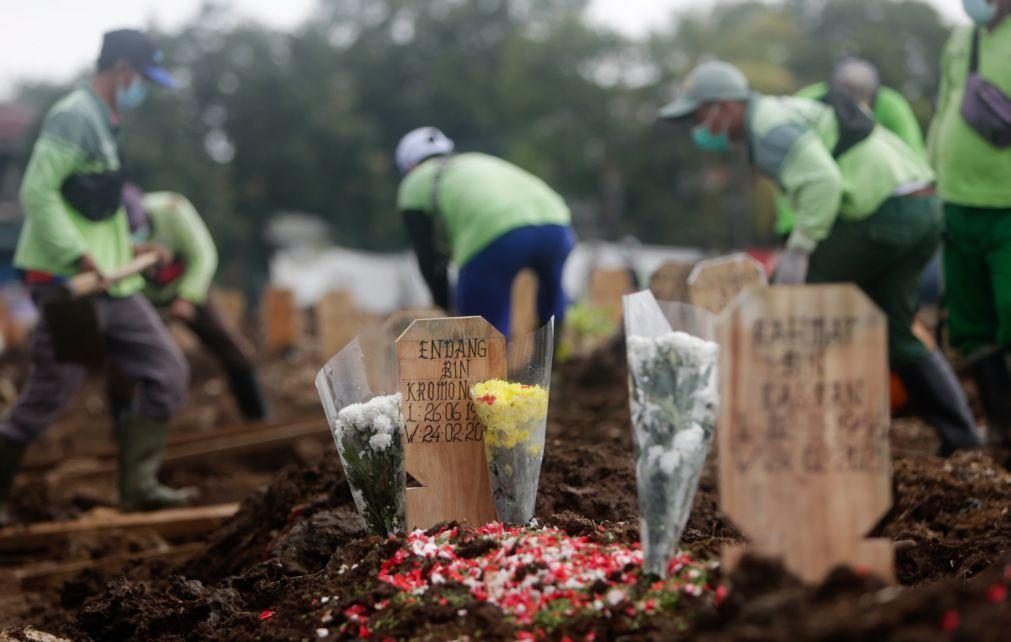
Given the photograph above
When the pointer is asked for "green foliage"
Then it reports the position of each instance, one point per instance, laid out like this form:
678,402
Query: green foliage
307,121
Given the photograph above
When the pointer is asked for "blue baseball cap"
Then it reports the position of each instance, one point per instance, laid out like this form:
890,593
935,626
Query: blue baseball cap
137,48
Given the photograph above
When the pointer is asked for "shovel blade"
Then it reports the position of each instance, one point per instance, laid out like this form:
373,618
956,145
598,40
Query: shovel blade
74,331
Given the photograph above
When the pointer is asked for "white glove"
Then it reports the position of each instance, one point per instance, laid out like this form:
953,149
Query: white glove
792,267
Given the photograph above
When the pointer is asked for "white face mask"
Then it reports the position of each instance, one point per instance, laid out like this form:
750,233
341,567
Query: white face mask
982,12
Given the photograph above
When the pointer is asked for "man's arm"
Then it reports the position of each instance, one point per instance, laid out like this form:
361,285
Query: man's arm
813,185
197,248
52,162
434,264
896,114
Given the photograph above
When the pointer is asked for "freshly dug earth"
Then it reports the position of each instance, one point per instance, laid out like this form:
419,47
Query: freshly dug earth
295,563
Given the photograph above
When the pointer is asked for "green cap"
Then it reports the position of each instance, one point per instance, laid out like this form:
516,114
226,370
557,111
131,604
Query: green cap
710,82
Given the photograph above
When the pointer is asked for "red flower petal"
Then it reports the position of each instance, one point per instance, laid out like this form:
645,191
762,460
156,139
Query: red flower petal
996,594
266,615
950,621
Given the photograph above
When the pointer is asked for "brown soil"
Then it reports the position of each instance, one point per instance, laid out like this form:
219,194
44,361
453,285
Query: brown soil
286,549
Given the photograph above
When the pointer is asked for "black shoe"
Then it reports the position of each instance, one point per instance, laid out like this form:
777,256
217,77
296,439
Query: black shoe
936,396
994,384
246,390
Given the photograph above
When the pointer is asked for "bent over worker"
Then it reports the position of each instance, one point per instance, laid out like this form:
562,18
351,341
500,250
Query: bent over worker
865,207
970,147
74,224
490,218
182,287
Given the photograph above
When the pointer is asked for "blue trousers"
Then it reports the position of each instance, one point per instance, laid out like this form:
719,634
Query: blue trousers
484,285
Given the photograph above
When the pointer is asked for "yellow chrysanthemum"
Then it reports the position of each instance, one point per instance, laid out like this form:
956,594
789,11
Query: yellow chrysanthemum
509,411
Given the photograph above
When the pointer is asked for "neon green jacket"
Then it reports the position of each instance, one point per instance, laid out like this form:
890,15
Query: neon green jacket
891,110
176,224
77,137
970,171
790,140
480,199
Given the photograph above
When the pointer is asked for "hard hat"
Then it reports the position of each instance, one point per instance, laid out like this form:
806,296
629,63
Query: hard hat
420,144
710,82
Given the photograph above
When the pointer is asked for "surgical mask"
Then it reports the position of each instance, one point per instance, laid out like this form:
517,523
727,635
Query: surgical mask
707,141
981,11
131,96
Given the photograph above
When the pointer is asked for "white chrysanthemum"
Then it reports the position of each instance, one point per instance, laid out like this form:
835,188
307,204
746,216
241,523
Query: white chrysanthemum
380,441
379,415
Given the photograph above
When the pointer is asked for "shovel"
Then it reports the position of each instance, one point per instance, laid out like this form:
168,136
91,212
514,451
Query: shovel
72,319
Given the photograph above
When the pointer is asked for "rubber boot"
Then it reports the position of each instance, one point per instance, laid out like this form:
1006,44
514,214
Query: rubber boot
248,394
994,383
10,460
141,446
936,396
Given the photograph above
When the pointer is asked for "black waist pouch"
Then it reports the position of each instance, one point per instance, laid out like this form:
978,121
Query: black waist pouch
96,196
985,107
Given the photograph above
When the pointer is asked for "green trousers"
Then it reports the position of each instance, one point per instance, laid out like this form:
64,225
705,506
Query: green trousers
884,255
977,273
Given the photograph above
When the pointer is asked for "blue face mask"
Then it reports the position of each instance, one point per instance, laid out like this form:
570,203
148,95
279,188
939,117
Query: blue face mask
132,96
707,141
981,11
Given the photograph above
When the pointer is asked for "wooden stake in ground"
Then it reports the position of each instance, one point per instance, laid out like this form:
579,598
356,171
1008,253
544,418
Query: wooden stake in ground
524,319
670,282
338,321
279,317
607,286
805,468
439,360
714,283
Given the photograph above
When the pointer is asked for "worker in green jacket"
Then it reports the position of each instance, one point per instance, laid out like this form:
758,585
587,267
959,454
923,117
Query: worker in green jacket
859,79
74,223
182,287
490,218
866,213
972,156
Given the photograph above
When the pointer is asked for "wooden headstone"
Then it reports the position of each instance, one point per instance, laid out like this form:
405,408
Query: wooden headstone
439,360
338,321
805,468
714,283
607,286
670,282
280,320
523,319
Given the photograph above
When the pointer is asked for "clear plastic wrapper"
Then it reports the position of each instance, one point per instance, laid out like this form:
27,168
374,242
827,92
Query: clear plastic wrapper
362,406
515,415
673,392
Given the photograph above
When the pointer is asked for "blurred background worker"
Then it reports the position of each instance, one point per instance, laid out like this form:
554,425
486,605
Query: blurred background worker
859,80
866,213
491,219
182,287
74,224
970,147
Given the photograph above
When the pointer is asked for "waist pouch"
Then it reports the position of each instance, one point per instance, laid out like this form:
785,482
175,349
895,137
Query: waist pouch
96,196
167,274
985,107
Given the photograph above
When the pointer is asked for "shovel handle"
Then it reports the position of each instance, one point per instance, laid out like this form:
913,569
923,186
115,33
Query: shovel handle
91,283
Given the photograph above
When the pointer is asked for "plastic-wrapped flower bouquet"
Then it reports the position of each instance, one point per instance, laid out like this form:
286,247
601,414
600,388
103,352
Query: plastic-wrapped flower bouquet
674,395
515,418
368,437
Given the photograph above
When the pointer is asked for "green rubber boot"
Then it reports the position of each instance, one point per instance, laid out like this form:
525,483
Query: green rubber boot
10,460
141,446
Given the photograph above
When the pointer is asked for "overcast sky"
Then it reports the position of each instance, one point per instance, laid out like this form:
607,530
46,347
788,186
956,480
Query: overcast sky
53,39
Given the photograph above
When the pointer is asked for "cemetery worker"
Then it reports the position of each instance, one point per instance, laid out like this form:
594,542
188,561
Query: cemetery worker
74,223
859,80
865,210
488,217
970,148
182,286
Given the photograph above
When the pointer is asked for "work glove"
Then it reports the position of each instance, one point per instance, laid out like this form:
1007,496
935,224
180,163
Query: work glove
792,267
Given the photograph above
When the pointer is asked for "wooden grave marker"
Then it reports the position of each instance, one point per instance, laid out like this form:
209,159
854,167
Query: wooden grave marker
439,360
338,321
805,468
523,318
670,281
607,286
280,319
714,283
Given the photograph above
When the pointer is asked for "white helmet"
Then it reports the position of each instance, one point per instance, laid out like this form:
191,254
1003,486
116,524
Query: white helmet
419,144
